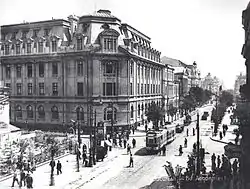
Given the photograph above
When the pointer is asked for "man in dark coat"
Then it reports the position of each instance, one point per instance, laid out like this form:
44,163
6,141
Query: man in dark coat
133,142
213,159
131,161
29,181
52,165
59,167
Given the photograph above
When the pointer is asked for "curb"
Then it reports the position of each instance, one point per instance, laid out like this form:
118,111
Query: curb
39,165
219,141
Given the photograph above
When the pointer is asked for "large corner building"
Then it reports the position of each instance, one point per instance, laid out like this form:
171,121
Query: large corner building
62,70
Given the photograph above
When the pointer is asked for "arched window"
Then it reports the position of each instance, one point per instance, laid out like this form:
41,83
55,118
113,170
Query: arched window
132,112
29,111
139,111
109,113
79,114
41,112
55,113
19,111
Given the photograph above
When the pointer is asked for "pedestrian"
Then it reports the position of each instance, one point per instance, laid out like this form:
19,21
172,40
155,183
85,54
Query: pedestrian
180,150
193,131
131,161
164,150
84,157
125,143
15,179
221,135
128,149
22,178
218,161
185,142
29,181
146,127
187,132
59,167
133,142
235,167
133,130
213,159
120,142
52,165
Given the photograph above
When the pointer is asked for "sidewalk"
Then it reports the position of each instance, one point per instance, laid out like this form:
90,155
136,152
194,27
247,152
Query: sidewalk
69,177
230,136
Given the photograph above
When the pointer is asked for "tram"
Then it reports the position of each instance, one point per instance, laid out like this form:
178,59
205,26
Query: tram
155,140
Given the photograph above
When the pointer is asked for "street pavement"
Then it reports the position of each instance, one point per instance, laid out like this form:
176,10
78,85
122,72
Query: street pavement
114,171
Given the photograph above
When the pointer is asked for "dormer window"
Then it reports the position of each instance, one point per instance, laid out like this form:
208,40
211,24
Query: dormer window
54,46
24,34
109,40
40,47
110,44
28,48
46,32
14,35
35,32
79,43
6,49
17,48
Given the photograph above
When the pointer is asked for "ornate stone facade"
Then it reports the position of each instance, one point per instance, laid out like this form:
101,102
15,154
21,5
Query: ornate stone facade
62,70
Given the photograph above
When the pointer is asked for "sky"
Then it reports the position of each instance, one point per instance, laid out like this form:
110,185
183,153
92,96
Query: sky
206,31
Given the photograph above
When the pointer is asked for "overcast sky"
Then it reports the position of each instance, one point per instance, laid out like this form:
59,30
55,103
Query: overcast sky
206,31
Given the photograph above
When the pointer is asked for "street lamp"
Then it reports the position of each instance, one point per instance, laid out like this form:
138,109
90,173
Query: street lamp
198,144
77,146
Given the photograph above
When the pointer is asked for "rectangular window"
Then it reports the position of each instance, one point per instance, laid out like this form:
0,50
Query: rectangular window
7,72
6,49
40,47
55,89
29,70
17,48
41,89
54,69
109,44
19,71
41,70
80,89
30,92
79,44
138,88
79,68
28,48
145,88
54,46
19,88
109,89
131,68
109,68
141,88
138,71
131,88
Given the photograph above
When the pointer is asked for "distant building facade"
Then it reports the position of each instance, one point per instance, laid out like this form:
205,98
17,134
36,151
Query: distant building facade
62,70
240,80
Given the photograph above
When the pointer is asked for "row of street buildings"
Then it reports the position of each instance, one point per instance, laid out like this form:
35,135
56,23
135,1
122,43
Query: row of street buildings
89,69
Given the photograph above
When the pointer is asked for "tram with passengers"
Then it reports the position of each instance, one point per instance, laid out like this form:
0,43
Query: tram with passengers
156,139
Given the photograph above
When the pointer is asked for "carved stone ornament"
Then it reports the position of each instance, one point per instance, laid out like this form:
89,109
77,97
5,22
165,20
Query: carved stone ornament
85,27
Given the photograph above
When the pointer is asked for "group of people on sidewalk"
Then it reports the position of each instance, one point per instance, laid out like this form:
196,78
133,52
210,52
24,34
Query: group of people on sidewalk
25,178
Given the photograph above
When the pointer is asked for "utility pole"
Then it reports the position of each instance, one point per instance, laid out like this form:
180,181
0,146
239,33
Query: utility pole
90,137
94,142
78,146
216,120
198,145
